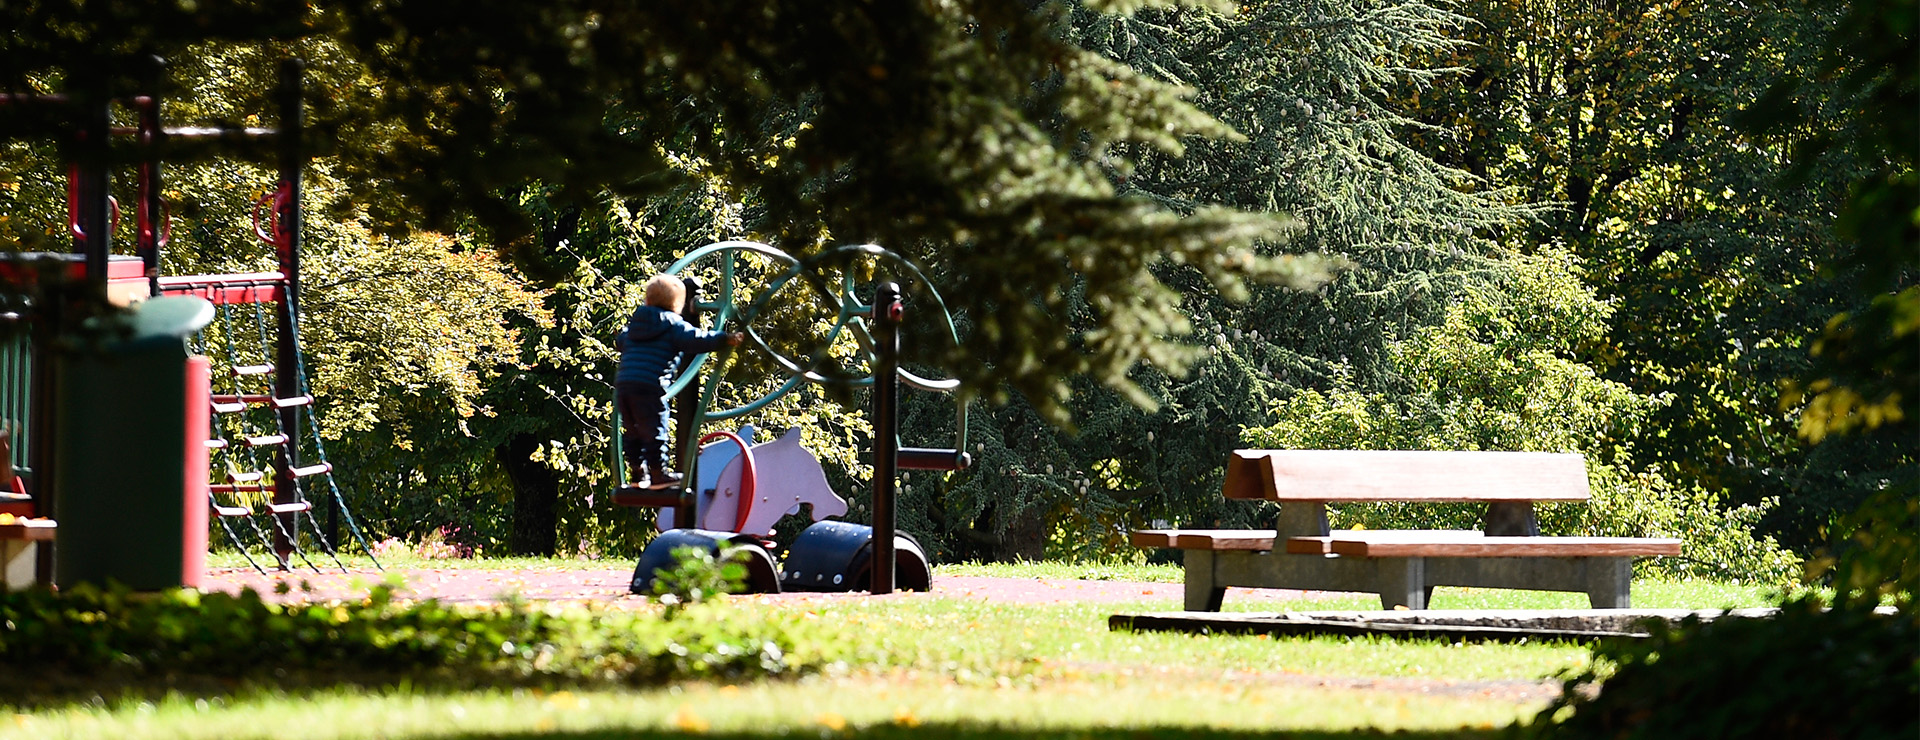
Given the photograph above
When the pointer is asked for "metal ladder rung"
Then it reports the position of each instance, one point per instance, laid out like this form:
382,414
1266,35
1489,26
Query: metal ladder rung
247,477
266,369
267,440
302,472
214,444
228,408
292,508
287,403
231,510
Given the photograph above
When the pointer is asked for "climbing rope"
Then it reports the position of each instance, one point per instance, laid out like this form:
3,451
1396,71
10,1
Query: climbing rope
320,449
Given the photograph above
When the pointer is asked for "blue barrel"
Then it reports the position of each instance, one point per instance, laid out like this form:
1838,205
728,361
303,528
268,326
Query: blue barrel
838,556
762,577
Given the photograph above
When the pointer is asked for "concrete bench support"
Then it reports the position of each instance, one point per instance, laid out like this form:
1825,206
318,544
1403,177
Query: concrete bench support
1403,582
17,561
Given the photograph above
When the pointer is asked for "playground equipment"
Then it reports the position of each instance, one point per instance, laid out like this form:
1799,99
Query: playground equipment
729,495
756,485
258,434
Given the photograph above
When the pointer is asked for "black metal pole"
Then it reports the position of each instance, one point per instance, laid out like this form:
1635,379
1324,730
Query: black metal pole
95,235
286,376
152,214
686,409
888,309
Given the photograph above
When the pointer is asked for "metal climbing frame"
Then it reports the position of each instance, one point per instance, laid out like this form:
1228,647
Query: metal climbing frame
267,396
262,414
875,327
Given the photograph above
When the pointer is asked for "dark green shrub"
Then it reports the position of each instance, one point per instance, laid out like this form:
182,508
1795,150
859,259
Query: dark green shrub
1805,673
698,576
88,631
1849,669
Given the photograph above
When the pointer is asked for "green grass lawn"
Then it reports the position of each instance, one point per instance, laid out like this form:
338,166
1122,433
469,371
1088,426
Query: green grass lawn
949,667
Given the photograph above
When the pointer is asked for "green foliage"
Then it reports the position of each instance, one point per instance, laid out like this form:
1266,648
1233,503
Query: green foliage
1309,85
1805,672
1634,118
975,136
1872,560
90,632
1848,667
924,129
698,575
1865,374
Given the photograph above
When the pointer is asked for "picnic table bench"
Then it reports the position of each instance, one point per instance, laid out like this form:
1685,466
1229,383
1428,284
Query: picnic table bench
1404,566
19,536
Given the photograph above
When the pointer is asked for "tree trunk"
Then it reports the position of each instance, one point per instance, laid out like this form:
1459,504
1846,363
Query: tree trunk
1023,534
536,495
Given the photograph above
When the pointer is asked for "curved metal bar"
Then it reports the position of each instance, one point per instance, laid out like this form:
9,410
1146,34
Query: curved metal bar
849,313
736,245
758,403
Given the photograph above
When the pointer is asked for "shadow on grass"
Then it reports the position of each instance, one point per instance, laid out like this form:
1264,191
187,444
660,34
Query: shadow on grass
968,731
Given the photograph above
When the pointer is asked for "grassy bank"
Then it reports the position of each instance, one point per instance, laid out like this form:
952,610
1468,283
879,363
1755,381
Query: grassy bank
941,667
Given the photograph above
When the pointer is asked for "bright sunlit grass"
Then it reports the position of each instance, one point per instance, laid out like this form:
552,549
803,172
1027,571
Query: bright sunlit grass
959,668
819,707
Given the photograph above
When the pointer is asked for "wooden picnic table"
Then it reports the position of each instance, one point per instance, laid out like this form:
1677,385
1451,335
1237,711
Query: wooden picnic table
1404,566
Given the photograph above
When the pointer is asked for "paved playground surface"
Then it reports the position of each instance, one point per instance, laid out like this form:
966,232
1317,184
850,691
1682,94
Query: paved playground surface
608,587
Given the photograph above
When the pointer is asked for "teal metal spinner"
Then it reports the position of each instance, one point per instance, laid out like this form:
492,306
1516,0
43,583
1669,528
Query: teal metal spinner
829,276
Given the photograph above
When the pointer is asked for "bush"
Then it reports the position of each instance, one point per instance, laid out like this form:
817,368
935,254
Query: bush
1845,669
1807,672
86,631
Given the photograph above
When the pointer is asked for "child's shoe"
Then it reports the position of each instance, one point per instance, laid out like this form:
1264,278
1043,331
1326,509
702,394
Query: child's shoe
636,475
658,476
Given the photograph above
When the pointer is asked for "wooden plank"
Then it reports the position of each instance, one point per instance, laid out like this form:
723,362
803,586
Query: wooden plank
1404,475
1248,475
647,497
1324,545
1224,539
28,529
1203,539
1151,537
1454,546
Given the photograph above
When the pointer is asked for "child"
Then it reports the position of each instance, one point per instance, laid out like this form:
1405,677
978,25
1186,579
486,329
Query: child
650,349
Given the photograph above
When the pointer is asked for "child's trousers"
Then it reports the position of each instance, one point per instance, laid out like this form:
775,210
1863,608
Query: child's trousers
643,425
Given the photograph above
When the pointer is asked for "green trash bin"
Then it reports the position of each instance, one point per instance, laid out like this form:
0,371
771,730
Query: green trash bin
130,462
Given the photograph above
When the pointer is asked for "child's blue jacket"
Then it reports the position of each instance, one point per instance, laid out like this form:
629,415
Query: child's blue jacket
651,345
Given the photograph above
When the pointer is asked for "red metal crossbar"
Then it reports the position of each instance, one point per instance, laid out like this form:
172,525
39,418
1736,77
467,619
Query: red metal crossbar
246,287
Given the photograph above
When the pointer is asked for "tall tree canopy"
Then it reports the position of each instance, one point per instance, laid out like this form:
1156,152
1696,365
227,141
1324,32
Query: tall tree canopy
918,125
1633,118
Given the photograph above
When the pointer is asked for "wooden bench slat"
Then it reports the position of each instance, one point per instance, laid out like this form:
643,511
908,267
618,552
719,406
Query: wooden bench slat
28,529
1404,475
1324,545
1203,539
1503,547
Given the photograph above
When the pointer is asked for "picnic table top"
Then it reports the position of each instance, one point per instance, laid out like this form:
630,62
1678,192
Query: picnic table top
1405,475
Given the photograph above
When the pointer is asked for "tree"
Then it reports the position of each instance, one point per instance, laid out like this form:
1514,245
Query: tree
1629,115
917,125
924,130
1309,84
